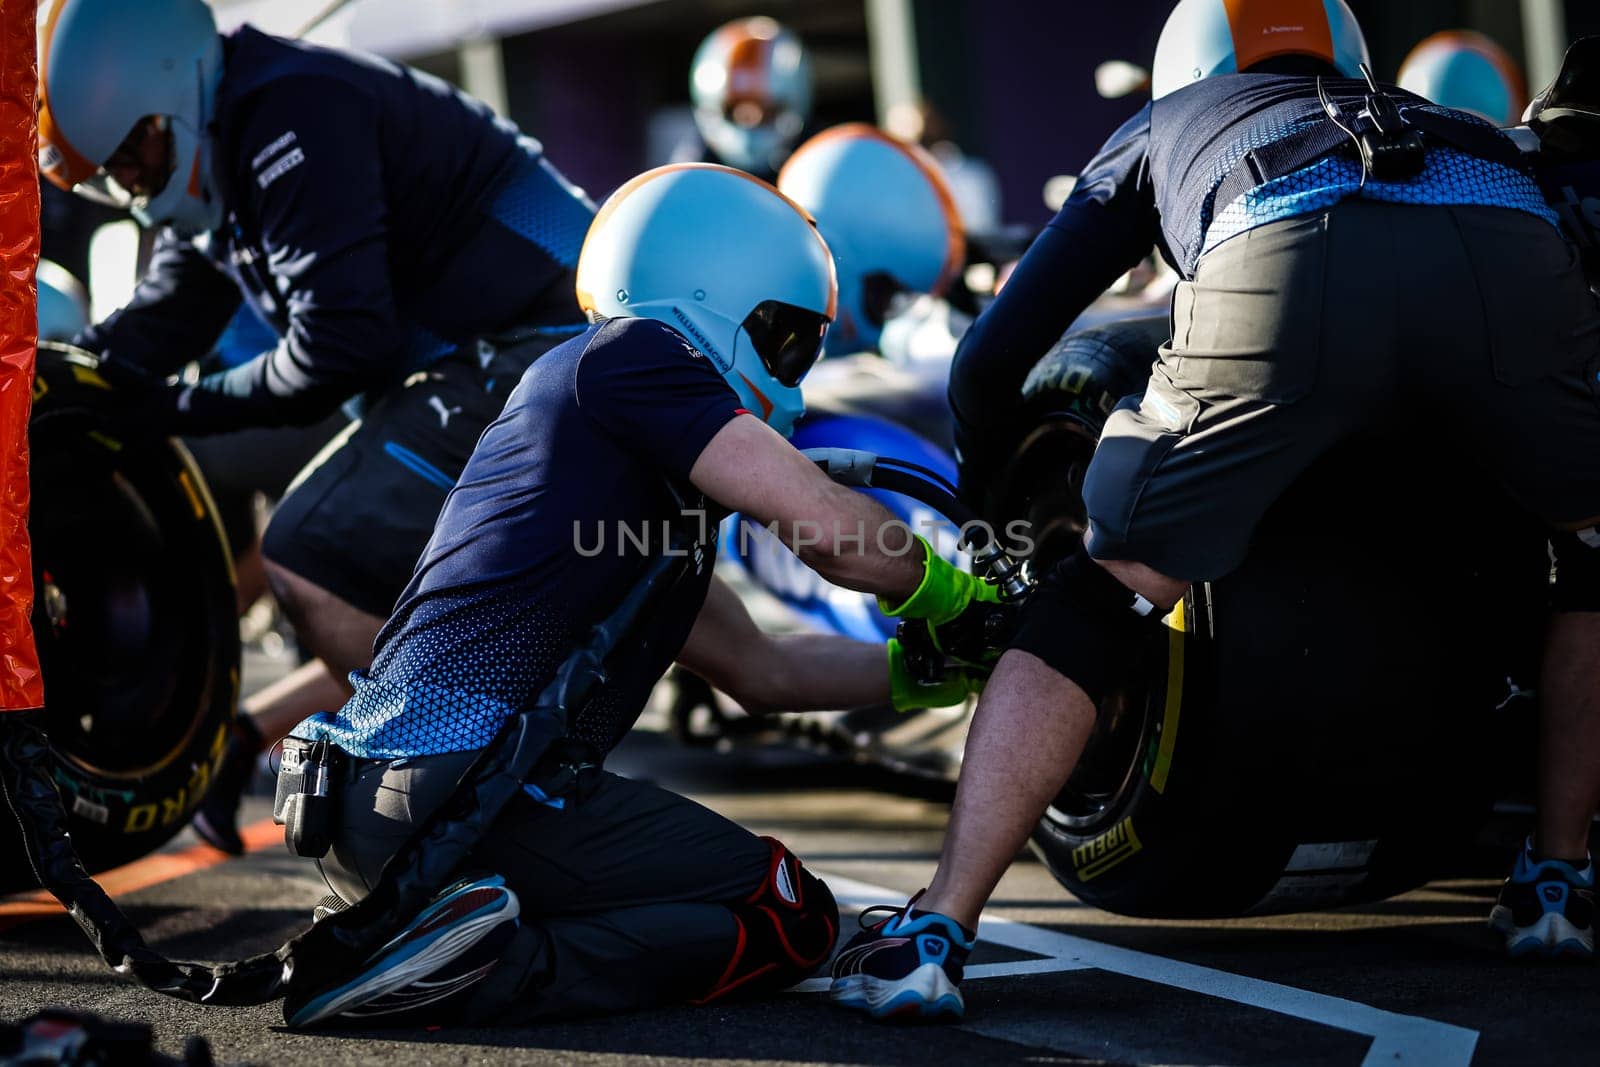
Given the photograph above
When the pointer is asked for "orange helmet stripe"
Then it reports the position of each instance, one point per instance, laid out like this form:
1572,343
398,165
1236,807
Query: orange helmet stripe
1262,31
59,161
749,68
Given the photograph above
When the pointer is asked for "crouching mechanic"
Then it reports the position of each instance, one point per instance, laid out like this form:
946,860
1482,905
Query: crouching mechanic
1303,320
712,294
408,247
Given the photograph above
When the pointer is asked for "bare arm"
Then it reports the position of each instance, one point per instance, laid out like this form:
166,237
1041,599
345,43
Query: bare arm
767,673
847,537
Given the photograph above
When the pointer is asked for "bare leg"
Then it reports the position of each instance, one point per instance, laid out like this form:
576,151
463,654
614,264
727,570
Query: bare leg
308,689
249,576
341,635
1569,735
334,630
1027,734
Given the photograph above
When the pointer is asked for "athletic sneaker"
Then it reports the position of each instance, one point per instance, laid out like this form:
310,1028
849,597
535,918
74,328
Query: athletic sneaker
430,968
1546,908
907,964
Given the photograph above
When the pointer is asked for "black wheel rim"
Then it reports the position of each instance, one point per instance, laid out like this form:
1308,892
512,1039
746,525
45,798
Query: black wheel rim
116,631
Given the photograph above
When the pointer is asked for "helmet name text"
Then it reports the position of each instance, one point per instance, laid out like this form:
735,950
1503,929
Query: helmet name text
700,340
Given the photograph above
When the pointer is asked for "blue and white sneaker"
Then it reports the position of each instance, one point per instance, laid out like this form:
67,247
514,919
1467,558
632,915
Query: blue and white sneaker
1546,908
429,968
906,965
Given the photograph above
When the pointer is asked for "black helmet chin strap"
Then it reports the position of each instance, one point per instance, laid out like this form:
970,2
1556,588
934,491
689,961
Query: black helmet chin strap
336,946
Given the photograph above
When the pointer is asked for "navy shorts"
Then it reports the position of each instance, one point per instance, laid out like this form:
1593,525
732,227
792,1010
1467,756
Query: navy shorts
357,518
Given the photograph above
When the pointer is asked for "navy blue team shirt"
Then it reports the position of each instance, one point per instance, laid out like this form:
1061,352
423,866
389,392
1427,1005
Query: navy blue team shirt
376,219
527,555
1154,184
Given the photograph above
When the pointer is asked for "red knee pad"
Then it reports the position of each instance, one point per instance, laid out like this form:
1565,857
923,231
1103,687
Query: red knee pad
787,928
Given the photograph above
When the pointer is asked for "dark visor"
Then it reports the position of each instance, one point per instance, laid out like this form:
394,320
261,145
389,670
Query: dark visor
787,338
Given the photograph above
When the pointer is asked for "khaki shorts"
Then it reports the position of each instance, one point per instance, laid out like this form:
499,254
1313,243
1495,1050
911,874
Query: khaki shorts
1470,325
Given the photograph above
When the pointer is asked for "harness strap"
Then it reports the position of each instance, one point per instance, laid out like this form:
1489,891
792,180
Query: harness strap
1299,150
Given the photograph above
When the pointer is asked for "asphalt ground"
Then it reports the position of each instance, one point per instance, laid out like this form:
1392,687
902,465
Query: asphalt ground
1414,980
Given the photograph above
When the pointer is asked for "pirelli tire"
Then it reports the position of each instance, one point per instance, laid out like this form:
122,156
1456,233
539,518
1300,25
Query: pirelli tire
1326,725
134,616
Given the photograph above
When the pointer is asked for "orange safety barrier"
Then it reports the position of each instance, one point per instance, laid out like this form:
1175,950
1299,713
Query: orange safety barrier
20,684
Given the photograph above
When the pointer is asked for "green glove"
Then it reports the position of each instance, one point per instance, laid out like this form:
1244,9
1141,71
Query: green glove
944,593
908,694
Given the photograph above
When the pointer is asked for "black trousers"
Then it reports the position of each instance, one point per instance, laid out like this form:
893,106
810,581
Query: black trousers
625,887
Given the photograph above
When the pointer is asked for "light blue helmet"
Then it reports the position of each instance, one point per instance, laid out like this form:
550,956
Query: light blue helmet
1466,71
751,88
104,66
63,305
887,213
727,261
1204,38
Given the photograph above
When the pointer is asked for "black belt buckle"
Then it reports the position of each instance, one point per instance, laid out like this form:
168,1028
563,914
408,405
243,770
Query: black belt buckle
1392,149
1397,159
304,801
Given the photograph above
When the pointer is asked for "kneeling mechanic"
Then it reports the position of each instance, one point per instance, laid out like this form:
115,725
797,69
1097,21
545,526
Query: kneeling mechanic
711,294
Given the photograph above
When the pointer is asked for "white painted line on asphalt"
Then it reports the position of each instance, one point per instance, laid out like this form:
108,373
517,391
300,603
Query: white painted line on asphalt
1396,1039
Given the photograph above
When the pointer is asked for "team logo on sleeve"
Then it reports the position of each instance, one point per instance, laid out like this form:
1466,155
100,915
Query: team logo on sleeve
277,159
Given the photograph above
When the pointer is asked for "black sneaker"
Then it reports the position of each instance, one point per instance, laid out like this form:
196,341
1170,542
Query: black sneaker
428,971
905,965
216,820
1546,909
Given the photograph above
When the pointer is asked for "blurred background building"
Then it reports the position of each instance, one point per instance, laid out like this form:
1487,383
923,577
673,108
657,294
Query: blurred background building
604,83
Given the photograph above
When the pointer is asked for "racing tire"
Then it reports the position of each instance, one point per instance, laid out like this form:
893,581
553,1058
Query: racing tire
134,617
1327,724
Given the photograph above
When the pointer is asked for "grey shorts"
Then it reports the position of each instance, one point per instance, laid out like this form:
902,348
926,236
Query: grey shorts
1472,325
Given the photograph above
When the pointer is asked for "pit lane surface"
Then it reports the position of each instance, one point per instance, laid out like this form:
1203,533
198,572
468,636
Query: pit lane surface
1409,981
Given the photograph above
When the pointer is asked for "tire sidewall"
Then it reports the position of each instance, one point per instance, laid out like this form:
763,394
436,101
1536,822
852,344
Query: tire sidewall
117,816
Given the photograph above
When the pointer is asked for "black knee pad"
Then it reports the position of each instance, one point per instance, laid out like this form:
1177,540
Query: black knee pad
787,928
1577,586
1085,624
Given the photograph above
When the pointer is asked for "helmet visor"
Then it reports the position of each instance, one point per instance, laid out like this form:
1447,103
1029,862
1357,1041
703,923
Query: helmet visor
138,170
787,338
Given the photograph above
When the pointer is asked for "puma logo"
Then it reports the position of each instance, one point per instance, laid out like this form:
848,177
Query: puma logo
444,413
